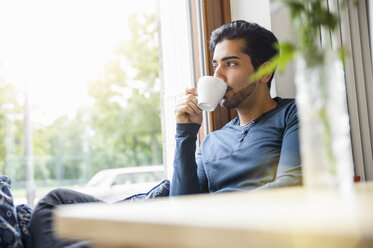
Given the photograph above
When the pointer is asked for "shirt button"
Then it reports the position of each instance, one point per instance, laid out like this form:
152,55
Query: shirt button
240,140
244,131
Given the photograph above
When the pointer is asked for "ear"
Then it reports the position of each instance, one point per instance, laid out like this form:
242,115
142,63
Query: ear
265,78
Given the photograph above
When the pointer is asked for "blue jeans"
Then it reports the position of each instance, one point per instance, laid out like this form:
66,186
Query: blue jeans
41,228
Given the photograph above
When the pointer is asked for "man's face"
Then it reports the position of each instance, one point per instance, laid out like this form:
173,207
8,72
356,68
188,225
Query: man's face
234,67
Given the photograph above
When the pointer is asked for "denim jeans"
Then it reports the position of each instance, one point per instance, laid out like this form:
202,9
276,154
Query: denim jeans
41,228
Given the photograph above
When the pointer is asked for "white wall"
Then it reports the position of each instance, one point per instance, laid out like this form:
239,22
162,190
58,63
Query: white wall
257,11
281,27
275,18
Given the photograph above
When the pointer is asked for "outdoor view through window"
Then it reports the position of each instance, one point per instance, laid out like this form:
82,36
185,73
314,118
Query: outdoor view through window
79,91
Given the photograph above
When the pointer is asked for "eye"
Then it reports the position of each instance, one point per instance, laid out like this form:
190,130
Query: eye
214,67
231,63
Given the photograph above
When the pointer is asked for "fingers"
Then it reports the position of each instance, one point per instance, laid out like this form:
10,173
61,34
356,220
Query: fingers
192,91
189,104
190,101
187,110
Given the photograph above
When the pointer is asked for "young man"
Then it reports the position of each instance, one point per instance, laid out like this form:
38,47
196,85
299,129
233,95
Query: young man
256,150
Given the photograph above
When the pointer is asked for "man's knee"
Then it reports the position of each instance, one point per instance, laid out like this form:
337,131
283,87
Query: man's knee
67,196
58,197
42,217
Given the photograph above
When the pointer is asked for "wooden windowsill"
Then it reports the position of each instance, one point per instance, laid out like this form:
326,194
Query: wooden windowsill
291,217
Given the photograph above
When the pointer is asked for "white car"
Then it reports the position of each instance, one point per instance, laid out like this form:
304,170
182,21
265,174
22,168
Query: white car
116,184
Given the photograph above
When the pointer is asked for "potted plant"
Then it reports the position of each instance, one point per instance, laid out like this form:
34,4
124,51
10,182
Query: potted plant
321,94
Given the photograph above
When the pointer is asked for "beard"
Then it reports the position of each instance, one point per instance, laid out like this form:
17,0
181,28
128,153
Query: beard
238,97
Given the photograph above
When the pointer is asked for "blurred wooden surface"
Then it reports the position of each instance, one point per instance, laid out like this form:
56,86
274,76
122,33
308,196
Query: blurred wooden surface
291,217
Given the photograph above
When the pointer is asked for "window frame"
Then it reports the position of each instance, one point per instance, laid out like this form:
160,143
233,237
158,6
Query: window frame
213,13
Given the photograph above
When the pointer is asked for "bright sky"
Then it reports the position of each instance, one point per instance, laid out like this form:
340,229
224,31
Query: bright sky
57,45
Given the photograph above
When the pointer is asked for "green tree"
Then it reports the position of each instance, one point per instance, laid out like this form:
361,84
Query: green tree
126,114
11,126
122,128
59,149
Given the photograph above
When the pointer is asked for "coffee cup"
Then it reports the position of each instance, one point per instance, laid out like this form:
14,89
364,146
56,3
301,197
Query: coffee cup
210,91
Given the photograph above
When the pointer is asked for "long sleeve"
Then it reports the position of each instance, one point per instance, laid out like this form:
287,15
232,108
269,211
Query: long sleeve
188,177
289,167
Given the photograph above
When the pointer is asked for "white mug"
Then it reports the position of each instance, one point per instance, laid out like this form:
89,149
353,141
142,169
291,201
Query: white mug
210,91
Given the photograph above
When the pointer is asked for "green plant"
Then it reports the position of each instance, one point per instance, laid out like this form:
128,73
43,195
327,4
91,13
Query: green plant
308,18
312,19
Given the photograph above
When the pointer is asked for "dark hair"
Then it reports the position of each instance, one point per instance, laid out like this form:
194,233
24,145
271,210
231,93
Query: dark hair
260,42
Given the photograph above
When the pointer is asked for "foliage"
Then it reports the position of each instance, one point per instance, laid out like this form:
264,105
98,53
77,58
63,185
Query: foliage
122,128
130,129
11,126
309,18
59,149
279,61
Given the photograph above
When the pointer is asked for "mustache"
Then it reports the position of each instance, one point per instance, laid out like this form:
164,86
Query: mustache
248,87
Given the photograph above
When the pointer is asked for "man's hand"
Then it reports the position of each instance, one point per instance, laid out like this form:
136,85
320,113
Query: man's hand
187,110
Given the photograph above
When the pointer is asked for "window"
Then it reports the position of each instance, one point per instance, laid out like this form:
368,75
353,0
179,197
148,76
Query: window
81,79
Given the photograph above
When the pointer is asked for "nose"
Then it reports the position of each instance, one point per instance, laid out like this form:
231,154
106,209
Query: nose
219,73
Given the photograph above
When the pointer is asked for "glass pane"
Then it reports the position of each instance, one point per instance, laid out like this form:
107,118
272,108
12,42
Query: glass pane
123,179
92,75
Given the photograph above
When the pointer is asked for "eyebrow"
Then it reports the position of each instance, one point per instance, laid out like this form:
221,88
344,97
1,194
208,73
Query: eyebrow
226,58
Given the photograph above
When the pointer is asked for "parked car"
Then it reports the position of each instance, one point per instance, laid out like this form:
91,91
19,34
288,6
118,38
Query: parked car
116,184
